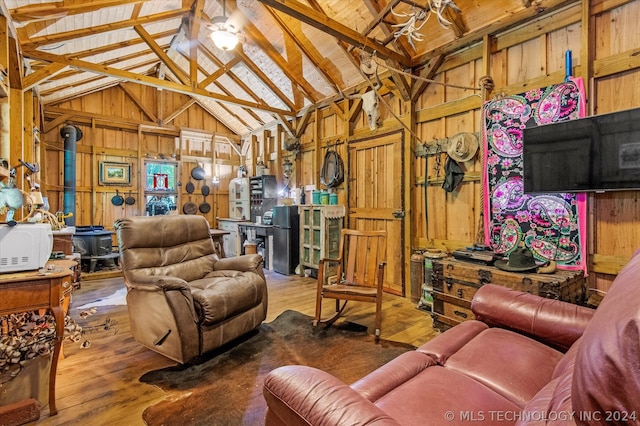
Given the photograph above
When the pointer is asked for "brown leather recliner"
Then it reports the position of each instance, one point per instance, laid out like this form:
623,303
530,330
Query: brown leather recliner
182,299
524,360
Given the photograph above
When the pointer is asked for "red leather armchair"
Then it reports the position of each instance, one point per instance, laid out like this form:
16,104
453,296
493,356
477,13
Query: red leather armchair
524,360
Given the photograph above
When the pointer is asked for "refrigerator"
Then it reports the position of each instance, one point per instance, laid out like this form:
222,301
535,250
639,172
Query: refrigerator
286,238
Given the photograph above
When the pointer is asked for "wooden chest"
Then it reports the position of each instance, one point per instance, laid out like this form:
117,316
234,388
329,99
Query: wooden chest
455,283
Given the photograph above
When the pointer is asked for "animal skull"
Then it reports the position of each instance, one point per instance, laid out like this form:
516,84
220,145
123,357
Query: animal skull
370,107
370,103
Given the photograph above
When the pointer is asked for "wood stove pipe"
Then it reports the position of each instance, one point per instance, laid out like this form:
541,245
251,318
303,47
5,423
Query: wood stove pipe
71,135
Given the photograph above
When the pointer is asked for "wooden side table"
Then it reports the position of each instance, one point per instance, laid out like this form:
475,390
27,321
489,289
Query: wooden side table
33,290
216,236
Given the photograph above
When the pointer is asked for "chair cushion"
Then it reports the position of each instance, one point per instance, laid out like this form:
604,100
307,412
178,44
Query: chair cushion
439,396
502,360
222,294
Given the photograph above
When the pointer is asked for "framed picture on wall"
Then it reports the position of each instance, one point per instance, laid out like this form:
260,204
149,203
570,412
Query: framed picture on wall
115,173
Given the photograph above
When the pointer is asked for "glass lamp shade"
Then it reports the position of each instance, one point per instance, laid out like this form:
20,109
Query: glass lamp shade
287,168
224,39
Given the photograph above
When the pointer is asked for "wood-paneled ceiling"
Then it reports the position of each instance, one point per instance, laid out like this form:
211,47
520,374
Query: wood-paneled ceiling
293,54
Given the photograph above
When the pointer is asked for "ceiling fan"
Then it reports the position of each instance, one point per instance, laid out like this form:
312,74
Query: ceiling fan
225,31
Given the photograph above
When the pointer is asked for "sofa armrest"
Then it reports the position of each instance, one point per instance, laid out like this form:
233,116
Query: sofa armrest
243,263
301,395
441,347
154,283
554,322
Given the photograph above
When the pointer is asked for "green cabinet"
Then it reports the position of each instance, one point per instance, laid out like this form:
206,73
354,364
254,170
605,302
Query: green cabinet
320,227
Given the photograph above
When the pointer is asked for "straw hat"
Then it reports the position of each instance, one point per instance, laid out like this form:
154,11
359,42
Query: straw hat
463,146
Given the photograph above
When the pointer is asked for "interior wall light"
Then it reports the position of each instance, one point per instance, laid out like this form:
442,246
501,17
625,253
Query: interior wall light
287,168
223,33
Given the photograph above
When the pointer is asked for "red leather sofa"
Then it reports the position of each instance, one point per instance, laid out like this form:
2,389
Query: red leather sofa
524,360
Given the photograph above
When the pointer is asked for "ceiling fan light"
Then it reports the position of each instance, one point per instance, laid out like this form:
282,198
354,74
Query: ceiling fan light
224,39
223,34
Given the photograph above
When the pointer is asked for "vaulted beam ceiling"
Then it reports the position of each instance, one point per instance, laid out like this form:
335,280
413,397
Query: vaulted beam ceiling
295,55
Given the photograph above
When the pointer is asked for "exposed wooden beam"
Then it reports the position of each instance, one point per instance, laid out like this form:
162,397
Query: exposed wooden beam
92,79
149,81
138,103
15,67
224,89
182,108
298,81
103,120
136,11
458,25
308,48
428,72
114,61
265,79
42,74
195,17
173,67
301,122
287,124
35,42
56,122
120,45
222,70
63,8
491,28
81,93
342,32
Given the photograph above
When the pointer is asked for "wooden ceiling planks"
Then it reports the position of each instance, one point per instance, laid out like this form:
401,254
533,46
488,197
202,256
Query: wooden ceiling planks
293,54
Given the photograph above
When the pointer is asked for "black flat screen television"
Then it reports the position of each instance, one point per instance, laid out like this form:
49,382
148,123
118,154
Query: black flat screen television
598,153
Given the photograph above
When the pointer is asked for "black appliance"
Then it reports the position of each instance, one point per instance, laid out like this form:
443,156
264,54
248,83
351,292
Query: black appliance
598,153
92,241
286,239
263,195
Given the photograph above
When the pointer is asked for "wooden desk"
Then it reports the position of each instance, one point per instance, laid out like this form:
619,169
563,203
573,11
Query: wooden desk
29,291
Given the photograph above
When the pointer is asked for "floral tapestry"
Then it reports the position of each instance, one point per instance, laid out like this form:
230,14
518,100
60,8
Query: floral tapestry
552,226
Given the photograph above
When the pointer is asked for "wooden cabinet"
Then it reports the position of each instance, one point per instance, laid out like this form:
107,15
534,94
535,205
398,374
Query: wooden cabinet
456,282
320,227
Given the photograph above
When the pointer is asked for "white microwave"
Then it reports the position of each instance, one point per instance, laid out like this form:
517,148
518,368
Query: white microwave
25,246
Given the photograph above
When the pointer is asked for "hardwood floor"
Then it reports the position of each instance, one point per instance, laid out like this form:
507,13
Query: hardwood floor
99,385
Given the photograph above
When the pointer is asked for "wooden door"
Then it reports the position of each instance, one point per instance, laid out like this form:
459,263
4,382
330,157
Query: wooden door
376,199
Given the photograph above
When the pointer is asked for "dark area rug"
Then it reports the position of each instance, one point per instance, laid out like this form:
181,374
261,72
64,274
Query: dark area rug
225,386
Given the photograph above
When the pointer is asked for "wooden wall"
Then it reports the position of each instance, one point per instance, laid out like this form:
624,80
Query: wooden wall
125,122
604,40
129,123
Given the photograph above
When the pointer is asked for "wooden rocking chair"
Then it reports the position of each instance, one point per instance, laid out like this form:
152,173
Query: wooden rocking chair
359,274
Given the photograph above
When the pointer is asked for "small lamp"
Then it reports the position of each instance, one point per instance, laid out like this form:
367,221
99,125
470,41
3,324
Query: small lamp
287,168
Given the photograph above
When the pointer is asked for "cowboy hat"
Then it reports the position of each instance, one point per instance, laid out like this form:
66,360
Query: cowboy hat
520,260
463,146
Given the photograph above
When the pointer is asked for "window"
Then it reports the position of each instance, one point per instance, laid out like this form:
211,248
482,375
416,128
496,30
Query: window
161,194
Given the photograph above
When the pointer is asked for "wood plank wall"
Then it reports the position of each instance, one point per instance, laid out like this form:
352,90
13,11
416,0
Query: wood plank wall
129,123
604,40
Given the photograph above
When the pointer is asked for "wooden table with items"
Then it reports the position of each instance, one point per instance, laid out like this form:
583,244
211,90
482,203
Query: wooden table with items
216,236
33,290
455,282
